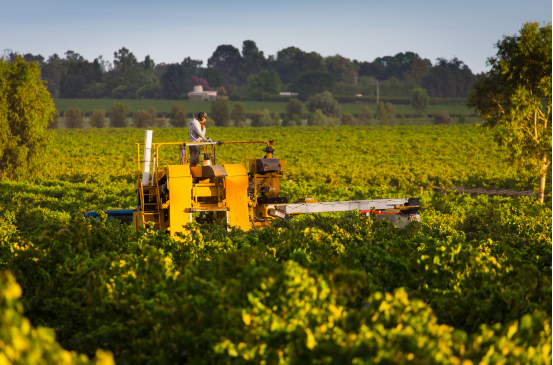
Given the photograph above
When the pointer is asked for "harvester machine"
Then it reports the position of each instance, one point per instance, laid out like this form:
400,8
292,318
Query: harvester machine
245,195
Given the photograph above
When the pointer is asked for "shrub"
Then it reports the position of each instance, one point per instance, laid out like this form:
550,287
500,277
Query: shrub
275,119
347,119
161,122
54,121
120,92
238,113
220,112
294,106
325,102
419,101
98,118
366,116
153,115
297,120
73,118
142,119
151,91
266,119
462,118
442,117
255,118
178,116
118,115
179,120
286,122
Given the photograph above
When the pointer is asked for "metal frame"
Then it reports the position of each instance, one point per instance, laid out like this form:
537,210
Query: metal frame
156,147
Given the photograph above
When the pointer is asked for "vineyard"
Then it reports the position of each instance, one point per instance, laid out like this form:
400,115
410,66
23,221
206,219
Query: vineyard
470,284
164,106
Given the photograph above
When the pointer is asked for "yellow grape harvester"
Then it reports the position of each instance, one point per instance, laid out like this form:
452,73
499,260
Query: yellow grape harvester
245,195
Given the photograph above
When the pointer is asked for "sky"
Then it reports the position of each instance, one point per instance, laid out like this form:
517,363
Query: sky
171,30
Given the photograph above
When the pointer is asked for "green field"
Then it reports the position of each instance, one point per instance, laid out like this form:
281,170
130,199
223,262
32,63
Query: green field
164,106
470,284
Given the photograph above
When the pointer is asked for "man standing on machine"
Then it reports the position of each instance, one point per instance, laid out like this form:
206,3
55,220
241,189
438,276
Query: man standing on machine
197,134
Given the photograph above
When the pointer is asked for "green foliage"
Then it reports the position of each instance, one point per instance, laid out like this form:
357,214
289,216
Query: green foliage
297,120
265,82
325,102
54,121
118,115
220,112
153,115
98,119
515,96
24,344
238,113
151,91
386,113
286,122
319,119
25,108
347,119
462,118
294,106
255,118
419,100
73,118
178,116
275,119
142,119
472,281
442,117
366,117
312,83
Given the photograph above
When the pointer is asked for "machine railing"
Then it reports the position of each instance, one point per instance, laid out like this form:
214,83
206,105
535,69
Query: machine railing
184,154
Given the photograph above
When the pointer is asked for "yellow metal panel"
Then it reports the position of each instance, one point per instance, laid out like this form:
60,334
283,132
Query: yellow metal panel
179,184
236,188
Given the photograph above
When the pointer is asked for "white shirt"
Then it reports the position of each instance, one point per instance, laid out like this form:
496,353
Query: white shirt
197,133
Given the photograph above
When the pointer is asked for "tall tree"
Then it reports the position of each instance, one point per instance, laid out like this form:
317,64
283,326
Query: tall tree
226,59
419,100
515,98
312,83
124,59
175,81
220,112
25,108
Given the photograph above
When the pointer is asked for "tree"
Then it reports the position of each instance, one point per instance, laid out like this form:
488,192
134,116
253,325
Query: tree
382,113
98,119
312,83
462,118
220,112
294,106
514,97
141,119
54,121
255,118
123,59
265,82
347,119
324,101
118,115
391,111
178,116
238,113
366,115
213,77
153,115
275,119
73,118
174,81
226,59
419,100
442,117
265,120
25,108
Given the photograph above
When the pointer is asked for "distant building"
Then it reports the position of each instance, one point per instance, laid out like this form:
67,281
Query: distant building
288,94
199,94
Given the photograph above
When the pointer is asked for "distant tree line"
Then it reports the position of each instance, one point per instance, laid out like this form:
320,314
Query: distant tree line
248,74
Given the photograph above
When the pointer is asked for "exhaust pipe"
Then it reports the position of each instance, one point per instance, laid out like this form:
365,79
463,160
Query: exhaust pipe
146,159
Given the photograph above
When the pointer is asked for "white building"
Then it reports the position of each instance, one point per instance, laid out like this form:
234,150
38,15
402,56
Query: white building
200,94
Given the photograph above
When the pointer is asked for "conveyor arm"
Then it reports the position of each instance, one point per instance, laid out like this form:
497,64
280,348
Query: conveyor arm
344,206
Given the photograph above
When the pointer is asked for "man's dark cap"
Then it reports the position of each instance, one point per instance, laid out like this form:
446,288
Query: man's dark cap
201,115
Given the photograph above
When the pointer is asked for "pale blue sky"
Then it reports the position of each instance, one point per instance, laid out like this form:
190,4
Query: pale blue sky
170,30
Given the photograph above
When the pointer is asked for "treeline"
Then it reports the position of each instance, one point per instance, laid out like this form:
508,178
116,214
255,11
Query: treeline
248,74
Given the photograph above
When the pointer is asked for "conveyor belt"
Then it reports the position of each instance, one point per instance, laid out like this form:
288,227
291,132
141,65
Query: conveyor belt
342,206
